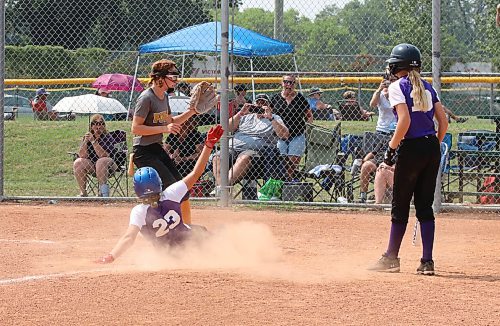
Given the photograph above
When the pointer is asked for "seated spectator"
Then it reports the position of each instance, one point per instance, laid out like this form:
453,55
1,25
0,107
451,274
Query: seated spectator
95,156
373,148
321,110
43,110
239,100
384,181
453,116
182,89
185,147
350,110
294,109
257,131
103,92
380,99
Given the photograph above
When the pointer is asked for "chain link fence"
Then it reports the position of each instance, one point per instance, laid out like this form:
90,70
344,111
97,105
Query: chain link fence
319,146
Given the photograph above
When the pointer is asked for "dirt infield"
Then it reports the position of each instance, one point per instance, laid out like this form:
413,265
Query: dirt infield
258,268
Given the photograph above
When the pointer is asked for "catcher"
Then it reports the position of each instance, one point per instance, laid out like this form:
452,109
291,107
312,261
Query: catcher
152,119
159,216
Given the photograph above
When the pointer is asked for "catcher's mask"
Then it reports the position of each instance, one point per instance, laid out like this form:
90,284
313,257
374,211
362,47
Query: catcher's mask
147,182
404,57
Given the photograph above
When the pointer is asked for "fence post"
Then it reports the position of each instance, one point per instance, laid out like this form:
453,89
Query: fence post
2,92
436,79
224,103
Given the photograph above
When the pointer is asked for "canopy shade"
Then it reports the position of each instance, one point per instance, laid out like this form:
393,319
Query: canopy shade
204,37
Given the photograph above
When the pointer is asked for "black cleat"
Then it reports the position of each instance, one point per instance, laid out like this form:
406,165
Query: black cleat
426,268
386,264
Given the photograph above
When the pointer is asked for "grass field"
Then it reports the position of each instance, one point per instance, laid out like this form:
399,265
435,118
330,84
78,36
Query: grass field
37,162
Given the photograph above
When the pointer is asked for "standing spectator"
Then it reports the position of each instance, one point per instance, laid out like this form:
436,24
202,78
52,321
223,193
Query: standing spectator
294,109
320,110
152,118
185,147
95,156
380,99
350,109
257,131
418,147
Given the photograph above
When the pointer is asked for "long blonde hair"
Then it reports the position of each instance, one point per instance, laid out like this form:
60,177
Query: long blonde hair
420,99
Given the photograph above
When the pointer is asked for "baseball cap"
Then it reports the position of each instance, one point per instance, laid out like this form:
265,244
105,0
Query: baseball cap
315,90
262,96
41,91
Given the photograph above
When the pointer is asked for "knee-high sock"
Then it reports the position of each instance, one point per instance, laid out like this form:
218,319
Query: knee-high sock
427,229
186,212
397,233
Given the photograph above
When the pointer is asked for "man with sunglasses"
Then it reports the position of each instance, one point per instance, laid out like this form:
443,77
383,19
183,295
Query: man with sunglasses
152,119
294,109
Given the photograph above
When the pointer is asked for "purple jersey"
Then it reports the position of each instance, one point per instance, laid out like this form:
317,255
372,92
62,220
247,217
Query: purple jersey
422,119
163,225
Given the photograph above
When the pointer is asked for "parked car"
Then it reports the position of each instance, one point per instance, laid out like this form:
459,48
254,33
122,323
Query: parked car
22,104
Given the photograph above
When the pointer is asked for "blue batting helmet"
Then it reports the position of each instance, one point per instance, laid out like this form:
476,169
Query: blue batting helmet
147,182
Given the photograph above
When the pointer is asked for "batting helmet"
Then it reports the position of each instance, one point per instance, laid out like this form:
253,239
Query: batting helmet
147,182
404,57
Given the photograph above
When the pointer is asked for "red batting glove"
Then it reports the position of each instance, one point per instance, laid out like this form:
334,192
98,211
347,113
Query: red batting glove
107,259
213,136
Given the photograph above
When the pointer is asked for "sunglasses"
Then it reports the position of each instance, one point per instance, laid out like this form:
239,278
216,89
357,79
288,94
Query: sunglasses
288,82
97,123
173,78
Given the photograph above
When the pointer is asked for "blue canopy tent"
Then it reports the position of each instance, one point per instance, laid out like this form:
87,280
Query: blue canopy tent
205,38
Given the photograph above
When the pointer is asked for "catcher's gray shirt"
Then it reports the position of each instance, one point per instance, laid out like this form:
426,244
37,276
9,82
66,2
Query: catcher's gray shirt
156,113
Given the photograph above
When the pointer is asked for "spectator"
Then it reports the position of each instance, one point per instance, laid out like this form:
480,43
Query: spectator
239,100
183,89
103,92
453,116
43,110
498,15
386,121
350,109
257,131
294,109
384,181
95,156
373,149
185,147
320,110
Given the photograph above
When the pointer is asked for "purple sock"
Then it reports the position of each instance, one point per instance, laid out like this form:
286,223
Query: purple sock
427,230
397,233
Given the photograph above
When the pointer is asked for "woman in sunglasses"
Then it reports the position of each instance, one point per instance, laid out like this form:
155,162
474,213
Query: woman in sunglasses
152,119
95,156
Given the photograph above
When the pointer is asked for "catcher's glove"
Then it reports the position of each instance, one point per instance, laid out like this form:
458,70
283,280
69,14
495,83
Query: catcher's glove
203,98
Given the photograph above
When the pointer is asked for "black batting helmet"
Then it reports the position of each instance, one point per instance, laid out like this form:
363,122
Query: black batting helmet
404,57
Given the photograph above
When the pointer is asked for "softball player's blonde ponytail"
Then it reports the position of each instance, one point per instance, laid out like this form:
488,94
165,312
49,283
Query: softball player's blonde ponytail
420,99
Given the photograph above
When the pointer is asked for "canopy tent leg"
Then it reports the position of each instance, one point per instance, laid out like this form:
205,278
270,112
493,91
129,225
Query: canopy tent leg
133,87
297,71
253,81
182,68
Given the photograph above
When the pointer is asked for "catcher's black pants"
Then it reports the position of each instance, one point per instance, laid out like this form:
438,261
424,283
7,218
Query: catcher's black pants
415,175
155,156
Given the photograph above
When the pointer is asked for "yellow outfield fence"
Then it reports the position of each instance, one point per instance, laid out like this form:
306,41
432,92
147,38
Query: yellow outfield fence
257,80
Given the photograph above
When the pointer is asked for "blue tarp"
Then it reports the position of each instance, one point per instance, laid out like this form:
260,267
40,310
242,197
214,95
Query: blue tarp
204,37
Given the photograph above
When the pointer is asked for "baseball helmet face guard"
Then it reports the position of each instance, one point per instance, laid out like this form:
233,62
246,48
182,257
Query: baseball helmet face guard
147,182
404,57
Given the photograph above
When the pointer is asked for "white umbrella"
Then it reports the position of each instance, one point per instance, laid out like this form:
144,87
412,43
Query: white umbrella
178,104
90,104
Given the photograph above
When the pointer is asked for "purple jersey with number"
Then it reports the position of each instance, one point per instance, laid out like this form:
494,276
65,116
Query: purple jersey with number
422,119
163,225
